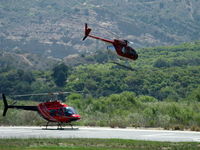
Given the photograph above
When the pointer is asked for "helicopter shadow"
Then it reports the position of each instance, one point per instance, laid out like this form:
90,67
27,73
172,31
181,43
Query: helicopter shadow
61,129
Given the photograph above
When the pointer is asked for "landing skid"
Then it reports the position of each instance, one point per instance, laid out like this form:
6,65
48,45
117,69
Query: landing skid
59,126
124,66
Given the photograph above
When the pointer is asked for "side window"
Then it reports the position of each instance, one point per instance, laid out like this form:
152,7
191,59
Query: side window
68,111
53,112
60,112
123,50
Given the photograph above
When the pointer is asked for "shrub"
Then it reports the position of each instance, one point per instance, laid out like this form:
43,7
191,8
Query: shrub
146,99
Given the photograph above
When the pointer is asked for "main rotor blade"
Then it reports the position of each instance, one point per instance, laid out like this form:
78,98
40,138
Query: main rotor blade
44,94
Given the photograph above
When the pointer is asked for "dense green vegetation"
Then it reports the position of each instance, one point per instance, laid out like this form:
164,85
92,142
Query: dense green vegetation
91,144
127,109
118,110
166,73
163,91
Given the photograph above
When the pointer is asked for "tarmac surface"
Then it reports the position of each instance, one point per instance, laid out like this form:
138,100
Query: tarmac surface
96,132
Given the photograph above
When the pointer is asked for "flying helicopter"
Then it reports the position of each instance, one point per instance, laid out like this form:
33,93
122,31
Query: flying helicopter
52,111
121,47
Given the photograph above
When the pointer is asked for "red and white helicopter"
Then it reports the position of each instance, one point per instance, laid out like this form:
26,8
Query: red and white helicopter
52,111
122,49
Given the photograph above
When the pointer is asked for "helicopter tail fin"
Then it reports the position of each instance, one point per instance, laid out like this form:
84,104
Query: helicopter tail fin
87,31
5,104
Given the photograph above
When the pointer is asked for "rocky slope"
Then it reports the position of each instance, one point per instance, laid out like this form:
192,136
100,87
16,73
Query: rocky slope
55,28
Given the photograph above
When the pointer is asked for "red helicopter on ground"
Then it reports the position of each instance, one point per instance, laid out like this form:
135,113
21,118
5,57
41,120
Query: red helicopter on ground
52,111
121,47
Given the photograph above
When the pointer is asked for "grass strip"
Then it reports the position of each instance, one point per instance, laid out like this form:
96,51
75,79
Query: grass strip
93,144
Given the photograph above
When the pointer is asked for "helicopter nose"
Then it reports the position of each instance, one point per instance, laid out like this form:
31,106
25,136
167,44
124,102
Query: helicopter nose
76,117
136,56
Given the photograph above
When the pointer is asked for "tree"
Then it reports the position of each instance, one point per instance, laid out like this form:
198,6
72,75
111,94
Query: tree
159,63
60,74
195,95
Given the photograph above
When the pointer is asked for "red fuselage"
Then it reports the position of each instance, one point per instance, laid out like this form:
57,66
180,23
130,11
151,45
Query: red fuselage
121,46
54,111
57,112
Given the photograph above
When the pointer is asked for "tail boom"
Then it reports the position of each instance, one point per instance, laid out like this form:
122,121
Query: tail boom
87,34
6,106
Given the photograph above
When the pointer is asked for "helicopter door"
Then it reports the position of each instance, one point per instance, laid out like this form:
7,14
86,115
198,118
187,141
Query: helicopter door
56,112
124,50
132,53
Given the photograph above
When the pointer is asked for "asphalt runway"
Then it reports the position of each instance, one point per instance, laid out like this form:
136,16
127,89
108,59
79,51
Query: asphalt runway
108,133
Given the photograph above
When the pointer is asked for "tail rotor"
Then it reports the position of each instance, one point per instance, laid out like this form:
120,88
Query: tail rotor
87,31
5,104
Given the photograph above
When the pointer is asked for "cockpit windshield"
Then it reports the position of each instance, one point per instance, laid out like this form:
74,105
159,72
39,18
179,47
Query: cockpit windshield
68,111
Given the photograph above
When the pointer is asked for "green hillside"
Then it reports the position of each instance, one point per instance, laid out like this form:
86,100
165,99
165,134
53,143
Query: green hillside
162,72
163,91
